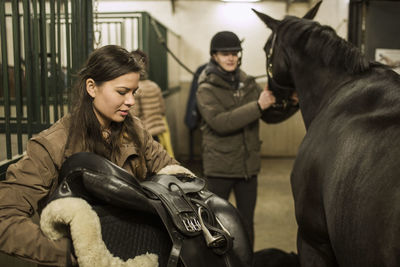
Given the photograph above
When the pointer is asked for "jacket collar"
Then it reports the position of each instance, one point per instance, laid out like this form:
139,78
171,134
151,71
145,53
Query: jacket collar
127,149
216,80
232,78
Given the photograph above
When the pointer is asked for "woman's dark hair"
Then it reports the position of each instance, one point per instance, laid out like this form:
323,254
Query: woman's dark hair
104,64
143,59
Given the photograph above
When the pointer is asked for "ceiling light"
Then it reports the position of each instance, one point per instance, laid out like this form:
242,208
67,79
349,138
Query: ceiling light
241,1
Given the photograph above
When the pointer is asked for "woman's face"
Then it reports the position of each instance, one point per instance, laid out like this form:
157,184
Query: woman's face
227,60
113,99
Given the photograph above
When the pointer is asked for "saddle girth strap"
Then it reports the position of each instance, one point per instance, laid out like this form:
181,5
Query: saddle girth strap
176,237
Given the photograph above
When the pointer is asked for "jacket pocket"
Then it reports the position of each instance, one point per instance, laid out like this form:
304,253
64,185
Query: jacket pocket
255,146
222,158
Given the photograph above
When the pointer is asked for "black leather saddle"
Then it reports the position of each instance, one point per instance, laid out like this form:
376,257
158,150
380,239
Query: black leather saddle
188,225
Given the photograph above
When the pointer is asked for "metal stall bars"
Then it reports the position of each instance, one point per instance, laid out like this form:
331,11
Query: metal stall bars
43,42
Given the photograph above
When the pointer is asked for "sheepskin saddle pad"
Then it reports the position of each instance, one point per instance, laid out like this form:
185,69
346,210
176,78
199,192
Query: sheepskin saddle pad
170,219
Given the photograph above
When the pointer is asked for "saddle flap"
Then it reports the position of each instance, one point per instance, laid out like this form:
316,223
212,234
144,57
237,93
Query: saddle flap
180,210
116,191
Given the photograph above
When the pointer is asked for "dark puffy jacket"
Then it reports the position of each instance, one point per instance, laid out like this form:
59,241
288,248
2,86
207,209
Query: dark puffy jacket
230,125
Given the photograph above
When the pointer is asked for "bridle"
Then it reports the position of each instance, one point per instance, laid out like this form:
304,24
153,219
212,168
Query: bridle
274,86
269,57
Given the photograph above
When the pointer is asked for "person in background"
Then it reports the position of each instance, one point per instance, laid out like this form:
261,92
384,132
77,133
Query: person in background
231,104
150,105
100,123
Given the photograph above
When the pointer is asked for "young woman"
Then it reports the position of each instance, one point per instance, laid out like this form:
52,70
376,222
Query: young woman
231,104
101,123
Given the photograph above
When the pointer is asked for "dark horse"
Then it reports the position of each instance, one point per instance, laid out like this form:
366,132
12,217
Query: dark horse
346,177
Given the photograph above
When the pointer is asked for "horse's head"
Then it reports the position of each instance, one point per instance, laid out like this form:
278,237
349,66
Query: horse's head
280,80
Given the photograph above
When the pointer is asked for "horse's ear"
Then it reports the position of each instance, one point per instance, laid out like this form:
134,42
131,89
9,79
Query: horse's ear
270,22
313,11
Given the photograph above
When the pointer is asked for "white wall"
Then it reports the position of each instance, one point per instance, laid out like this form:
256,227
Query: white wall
197,21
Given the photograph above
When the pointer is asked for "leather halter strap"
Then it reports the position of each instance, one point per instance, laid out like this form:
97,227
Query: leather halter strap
272,83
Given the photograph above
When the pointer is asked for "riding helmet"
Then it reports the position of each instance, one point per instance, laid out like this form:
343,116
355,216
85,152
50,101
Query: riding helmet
225,41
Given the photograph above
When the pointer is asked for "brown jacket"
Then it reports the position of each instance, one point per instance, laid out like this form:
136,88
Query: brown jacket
30,180
150,107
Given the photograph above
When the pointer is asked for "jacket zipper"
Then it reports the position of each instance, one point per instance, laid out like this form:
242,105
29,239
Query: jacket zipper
238,95
246,154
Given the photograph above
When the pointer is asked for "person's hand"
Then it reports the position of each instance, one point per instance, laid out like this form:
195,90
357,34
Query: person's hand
295,99
266,99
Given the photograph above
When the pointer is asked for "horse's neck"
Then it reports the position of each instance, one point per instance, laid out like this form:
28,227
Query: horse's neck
315,85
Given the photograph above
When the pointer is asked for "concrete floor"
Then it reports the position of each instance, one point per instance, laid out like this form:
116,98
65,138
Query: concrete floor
275,224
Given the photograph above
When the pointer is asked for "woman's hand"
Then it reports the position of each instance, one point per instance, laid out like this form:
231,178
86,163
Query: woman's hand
295,99
266,99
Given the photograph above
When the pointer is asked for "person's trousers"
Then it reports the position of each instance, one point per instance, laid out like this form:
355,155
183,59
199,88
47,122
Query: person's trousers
245,192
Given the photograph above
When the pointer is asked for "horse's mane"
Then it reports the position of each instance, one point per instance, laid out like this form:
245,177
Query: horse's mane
317,40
